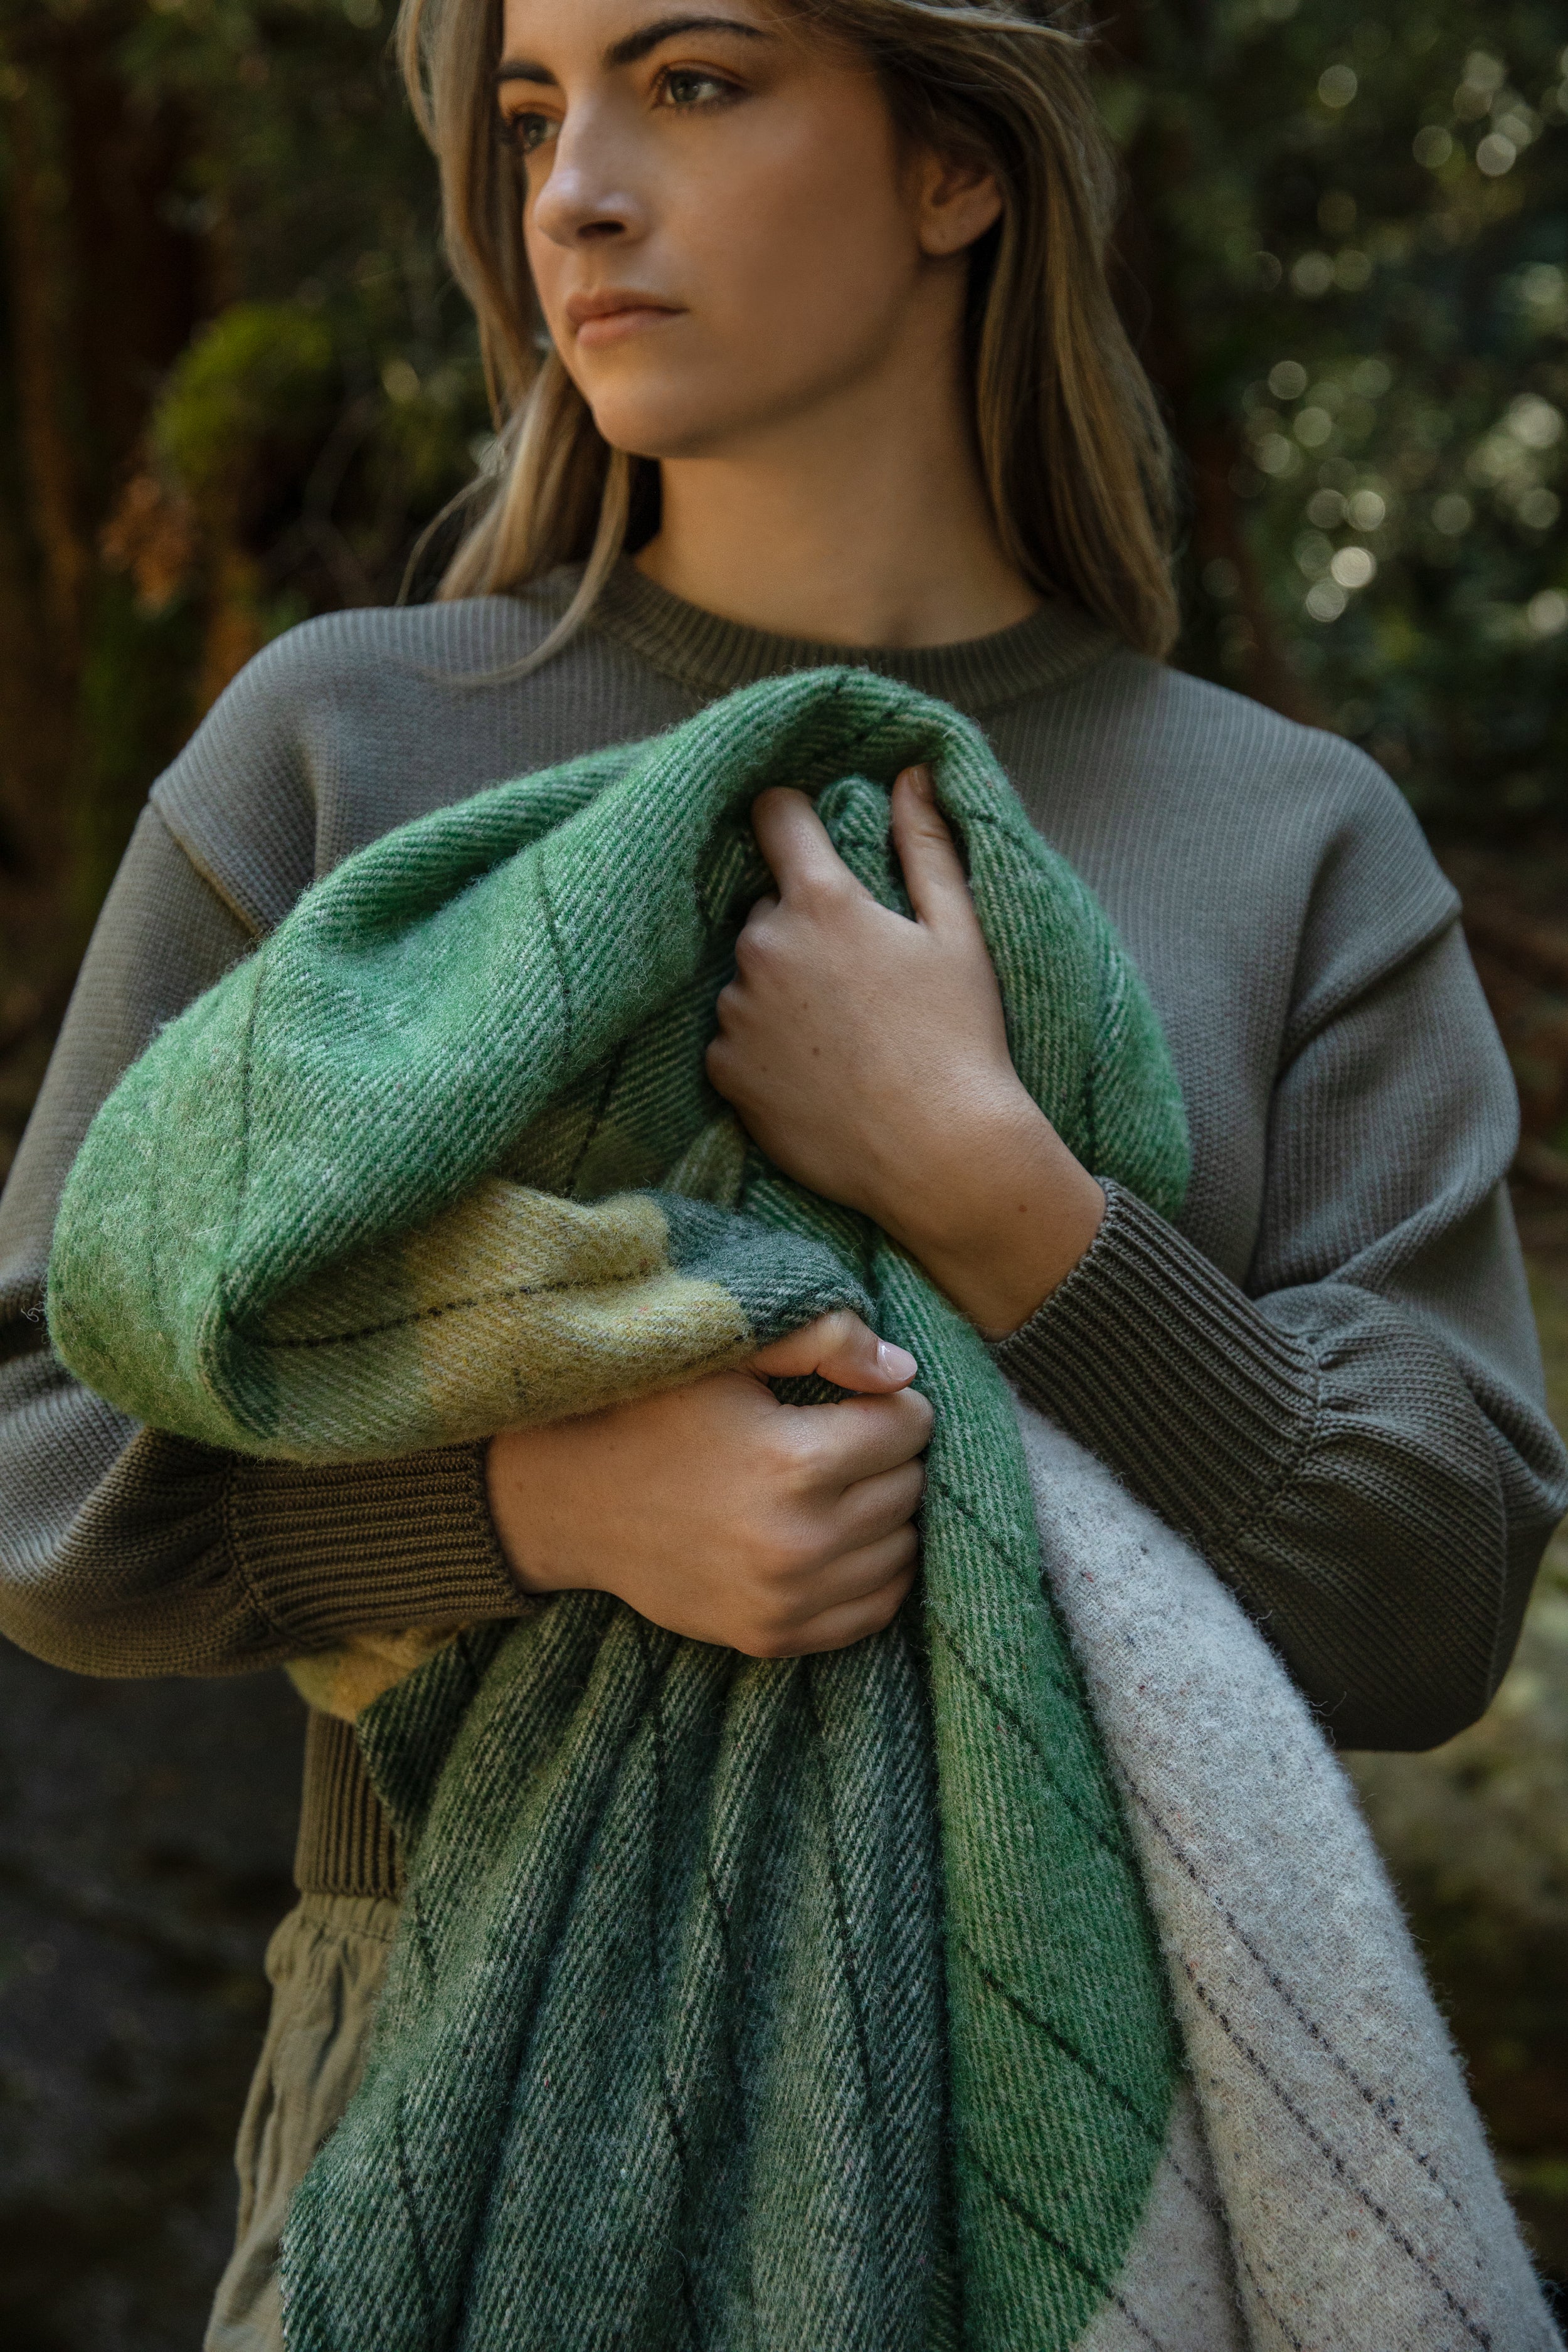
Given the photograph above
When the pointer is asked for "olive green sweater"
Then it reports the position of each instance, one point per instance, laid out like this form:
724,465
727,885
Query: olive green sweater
1326,1372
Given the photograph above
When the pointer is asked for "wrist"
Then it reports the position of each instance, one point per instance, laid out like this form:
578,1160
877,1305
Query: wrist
1003,1214
525,1545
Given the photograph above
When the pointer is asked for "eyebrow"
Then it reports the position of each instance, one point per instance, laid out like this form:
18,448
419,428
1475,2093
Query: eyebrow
636,46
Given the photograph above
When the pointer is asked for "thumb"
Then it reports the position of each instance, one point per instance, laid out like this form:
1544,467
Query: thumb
933,875
841,1350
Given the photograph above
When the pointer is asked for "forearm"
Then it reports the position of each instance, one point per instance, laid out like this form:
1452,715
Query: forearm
123,1552
1325,1452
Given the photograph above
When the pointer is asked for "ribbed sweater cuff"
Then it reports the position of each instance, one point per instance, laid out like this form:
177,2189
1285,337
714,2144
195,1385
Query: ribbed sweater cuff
370,1545
1161,1365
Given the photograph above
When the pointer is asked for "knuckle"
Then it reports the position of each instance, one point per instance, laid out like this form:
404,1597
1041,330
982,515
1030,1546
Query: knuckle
796,1444
822,890
769,1631
908,1504
895,1551
780,1557
889,1603
782,1642
919,1412
841,892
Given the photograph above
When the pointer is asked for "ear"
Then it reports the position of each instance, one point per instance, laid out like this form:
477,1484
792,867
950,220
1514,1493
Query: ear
959,200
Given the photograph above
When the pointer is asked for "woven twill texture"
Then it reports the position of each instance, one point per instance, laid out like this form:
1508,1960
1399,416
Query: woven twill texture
669,2052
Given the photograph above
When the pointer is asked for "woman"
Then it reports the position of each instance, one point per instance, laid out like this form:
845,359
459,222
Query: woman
833,374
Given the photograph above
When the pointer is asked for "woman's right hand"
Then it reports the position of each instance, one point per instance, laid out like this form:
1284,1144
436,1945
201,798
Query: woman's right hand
724,1516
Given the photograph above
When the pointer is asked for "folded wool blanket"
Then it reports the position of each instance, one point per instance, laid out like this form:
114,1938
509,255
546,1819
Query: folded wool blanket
916,1996
1331,2128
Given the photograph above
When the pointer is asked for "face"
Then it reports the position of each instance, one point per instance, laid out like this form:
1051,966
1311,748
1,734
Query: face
723,229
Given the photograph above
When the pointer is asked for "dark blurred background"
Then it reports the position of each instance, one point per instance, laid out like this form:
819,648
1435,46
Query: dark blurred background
236,380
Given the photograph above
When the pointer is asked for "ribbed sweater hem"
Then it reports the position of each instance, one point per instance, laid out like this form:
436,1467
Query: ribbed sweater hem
381,1545
346,1844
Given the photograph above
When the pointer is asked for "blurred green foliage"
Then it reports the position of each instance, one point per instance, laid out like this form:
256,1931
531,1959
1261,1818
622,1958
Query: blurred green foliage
235,381
333,402
260,374
1352,224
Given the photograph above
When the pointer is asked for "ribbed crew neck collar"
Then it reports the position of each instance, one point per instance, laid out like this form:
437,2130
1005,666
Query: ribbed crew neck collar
979,675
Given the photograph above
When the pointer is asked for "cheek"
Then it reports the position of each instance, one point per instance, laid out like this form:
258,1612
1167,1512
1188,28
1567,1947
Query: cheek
804,245
793,250
551,267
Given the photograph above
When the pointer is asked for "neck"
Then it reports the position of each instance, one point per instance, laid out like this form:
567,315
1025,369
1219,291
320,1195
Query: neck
869,526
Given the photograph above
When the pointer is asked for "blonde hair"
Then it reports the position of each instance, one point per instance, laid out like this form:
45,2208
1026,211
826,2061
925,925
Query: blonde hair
1074,449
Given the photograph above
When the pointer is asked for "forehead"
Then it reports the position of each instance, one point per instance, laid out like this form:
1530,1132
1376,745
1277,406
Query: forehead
615,31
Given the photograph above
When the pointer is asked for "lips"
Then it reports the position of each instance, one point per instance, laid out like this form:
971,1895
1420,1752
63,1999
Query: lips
627,305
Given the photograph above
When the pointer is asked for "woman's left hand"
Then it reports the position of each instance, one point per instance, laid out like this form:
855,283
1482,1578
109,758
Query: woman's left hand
867,1054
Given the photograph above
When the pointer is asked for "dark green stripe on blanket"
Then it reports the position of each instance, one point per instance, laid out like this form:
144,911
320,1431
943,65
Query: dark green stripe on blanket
736,2004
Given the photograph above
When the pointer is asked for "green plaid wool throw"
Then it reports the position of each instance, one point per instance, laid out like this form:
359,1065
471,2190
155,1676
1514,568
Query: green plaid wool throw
735,2004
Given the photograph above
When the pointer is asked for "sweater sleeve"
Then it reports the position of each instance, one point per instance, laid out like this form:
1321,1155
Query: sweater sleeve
125,1551
1357,1437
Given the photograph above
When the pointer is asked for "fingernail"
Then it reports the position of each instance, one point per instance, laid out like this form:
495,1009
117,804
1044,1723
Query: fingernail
921,780
897,1362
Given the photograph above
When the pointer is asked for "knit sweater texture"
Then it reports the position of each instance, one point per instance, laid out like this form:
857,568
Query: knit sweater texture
734,2004
1323,1367
370,1194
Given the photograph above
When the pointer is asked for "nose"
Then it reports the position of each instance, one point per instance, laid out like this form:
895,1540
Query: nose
588,197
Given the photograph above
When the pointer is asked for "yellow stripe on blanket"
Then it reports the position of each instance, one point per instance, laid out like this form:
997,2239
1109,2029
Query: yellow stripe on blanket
514,1307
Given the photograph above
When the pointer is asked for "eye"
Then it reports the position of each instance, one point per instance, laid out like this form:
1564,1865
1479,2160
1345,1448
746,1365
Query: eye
524,133
689,86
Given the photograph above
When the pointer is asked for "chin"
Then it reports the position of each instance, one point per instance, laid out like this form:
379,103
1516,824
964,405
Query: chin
659,436
666,421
